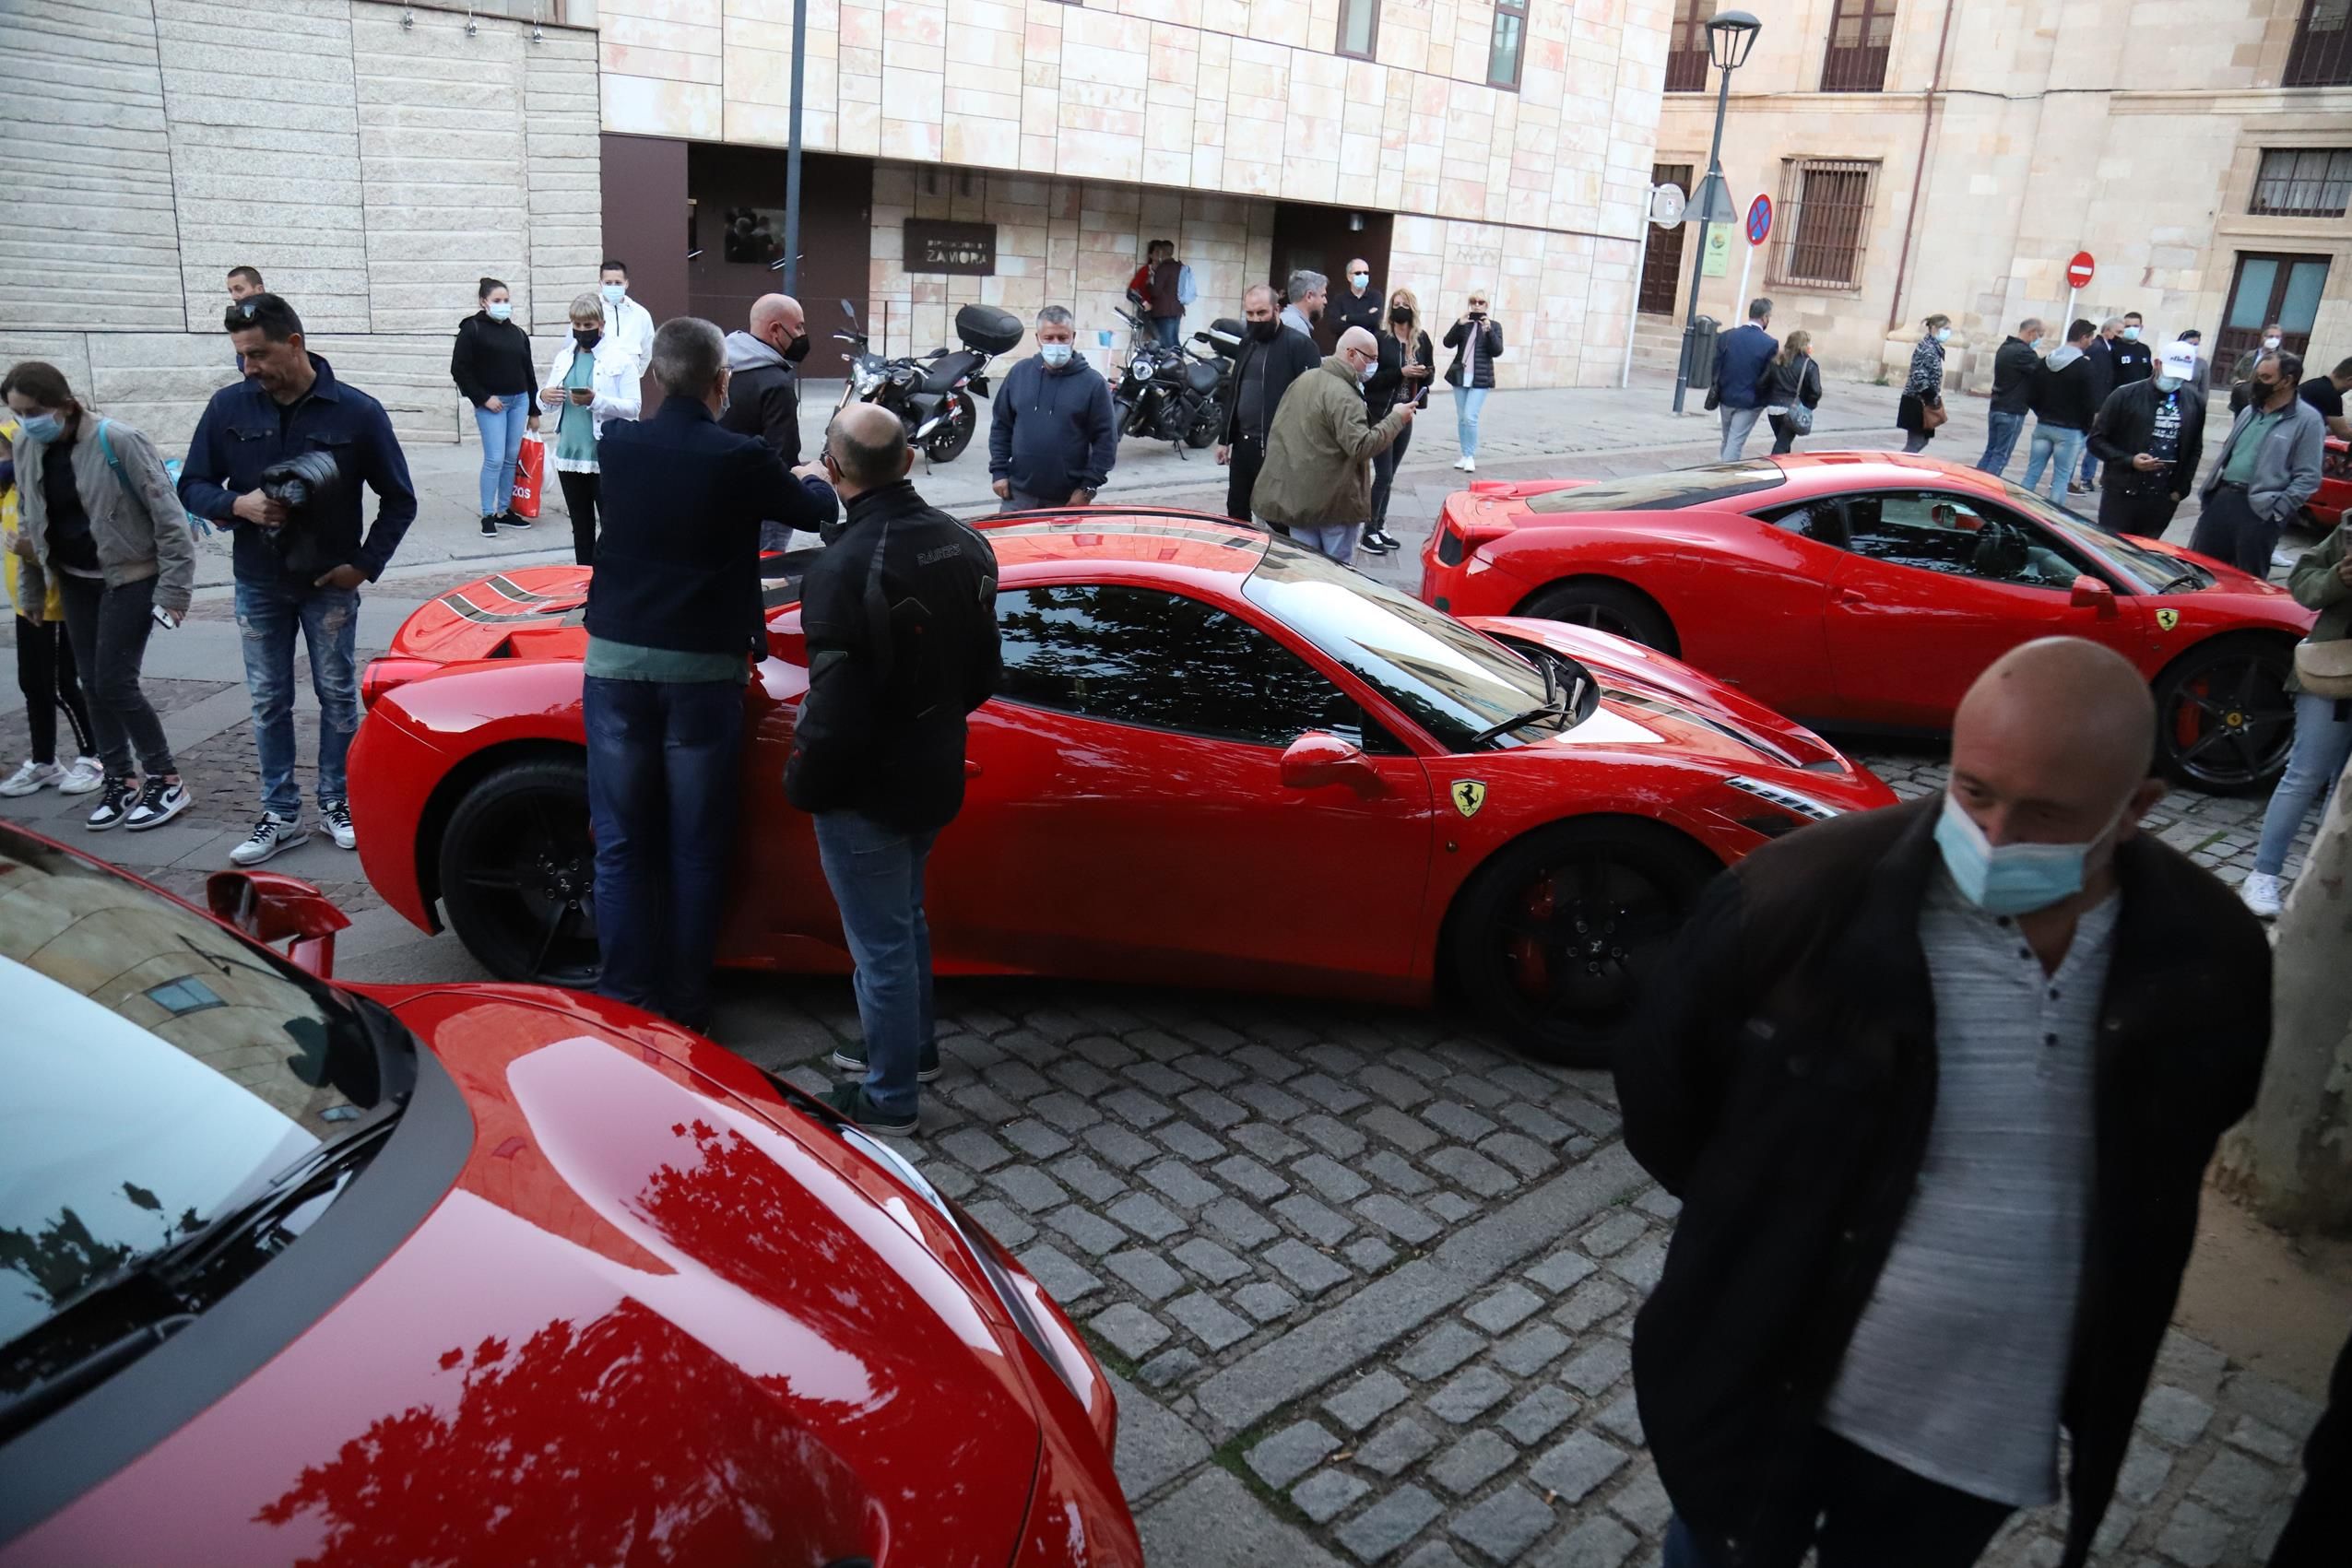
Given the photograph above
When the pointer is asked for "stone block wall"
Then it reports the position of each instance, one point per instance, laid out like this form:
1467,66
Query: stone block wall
372,188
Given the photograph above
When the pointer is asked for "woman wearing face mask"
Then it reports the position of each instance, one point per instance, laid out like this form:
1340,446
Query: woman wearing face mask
1921,408
100,518
1407,366
491,365
592,378
1477,343
45,661
2321,579
1793,390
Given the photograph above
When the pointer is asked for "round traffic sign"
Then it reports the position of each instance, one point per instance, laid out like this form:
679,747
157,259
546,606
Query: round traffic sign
1666,204
1759,219
2078,271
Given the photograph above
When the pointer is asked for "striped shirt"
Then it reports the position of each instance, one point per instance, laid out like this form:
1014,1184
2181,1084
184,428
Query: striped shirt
1958,1365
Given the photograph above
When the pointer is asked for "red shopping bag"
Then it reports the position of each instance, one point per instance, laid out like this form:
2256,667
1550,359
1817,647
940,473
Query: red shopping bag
530,476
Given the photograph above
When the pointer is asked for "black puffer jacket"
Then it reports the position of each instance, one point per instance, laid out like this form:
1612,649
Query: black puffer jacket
1787,1102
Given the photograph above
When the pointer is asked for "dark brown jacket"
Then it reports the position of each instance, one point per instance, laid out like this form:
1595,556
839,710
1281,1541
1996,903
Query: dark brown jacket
1783,1087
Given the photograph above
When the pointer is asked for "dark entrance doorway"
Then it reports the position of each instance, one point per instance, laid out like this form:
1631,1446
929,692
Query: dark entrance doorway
735,238
2271,288
1661,266
1324,240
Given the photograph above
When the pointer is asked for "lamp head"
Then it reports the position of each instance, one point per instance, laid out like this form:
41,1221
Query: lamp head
1730,37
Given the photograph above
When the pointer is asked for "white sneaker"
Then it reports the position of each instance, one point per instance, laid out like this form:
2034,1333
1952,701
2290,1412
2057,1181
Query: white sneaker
271,834
85,776
1470,464
2261,894
336,815
33,778
1461,462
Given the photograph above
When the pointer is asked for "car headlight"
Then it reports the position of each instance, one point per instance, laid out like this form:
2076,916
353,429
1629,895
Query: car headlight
1785,798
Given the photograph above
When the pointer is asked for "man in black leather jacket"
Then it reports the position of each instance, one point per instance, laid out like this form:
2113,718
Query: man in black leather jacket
1273,356
2151,435
901,618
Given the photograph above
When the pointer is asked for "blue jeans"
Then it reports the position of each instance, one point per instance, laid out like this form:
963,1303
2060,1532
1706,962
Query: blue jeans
2052,441
268,614
2322,745
876,874
2091,463
1737,423
501,440
1335,541
2001,434
662,789
1467,402
1169,329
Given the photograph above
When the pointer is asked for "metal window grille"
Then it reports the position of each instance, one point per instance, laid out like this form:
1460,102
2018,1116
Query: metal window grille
1687,62
2303,182
2323,52
1824,222
1359,29
1861,34
1509,42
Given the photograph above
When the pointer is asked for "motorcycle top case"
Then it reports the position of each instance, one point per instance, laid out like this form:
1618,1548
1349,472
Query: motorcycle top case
1225,335
988,329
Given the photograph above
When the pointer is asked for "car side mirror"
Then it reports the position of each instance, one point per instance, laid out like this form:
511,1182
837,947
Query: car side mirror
272,908
1320,758
2090,594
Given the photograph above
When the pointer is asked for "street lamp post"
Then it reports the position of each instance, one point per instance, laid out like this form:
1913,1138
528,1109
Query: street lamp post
1729,38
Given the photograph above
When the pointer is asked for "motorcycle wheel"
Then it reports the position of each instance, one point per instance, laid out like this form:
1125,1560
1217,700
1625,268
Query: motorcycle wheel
947,444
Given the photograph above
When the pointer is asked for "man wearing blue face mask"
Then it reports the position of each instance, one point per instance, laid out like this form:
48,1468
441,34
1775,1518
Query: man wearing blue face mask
628,321
1938,1108
1052,439
2151,435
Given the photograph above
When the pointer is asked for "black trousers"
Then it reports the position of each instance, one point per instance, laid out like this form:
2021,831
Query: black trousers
1384,473
109,628
580,499
1858,1511
45,675
2322,1522
1241,477
2147,514
2229,530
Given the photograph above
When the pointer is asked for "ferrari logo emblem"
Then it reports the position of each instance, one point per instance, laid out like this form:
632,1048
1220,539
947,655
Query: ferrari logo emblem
1469,796
2166,619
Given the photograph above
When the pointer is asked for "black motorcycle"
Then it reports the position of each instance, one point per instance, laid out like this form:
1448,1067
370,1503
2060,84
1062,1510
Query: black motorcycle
1172,394
931,393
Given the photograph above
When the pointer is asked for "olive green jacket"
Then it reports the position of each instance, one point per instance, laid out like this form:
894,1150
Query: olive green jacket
2316,586
1319,452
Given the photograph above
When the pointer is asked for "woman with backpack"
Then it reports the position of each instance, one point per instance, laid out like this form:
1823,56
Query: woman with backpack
100,518
1792,391
491,365
1920,411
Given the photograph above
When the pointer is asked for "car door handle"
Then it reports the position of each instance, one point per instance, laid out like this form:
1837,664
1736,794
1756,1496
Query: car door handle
971,769
1852,597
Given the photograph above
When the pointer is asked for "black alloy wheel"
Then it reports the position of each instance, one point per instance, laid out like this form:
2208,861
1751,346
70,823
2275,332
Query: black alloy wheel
947,444
2224,714
1605,606
518,873
1554,939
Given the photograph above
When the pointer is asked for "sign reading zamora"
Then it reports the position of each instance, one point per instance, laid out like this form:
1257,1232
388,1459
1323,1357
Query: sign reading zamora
934,244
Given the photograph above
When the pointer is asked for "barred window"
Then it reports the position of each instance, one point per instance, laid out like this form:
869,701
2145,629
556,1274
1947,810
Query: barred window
2302,183
1862,34
1687,46
2323,52
1824,222
1508,46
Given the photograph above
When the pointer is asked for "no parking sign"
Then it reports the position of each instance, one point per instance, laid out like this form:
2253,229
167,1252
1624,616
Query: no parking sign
1759,219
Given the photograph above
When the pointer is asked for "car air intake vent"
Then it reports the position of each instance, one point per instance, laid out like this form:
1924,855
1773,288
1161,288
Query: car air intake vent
1450,547
1788,800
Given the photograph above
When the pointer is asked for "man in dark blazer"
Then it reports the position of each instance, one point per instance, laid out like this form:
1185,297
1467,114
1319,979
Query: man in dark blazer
674,620
1273,356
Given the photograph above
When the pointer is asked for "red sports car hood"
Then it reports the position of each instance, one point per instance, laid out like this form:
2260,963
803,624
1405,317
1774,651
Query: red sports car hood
478,620
645,1326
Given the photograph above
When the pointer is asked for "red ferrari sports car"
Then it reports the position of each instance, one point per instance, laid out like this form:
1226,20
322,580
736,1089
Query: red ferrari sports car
484,1275
1216,758
1864,590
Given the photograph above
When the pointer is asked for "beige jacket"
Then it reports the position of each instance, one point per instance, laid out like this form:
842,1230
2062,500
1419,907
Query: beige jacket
140,528
1319,452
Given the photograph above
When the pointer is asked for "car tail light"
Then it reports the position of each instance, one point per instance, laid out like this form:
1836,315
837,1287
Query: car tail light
1449,546
383,675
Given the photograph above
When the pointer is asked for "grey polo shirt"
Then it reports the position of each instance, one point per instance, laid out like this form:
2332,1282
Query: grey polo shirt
1958,1365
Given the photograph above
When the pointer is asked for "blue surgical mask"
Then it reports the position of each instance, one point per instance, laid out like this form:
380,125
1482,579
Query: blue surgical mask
2168,384
1056,355
2131,335
499,310
40,429
2014,879
1359,278
614,292
1944,334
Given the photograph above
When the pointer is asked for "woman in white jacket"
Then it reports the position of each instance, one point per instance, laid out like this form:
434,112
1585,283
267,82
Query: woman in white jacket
592,379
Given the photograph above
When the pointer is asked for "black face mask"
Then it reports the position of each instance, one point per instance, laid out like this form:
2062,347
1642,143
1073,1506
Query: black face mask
1402,316
587,336
797,349
1266,331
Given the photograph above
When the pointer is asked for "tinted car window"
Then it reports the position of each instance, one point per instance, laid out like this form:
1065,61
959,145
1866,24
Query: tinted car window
1939,531
1142,656
1824,522
1663,493
159,1071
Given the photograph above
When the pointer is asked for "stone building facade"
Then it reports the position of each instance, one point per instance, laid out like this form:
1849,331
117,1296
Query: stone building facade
1953,155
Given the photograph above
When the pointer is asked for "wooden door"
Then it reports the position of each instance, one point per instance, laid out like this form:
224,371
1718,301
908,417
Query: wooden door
1662,268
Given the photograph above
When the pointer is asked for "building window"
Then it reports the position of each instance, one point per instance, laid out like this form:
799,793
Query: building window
184,996
1359,29
1861,33
2302,183
2323,52
1687,46
1510,43
1824,222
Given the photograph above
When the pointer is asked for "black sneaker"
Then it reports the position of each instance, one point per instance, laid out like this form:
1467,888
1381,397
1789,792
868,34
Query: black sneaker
490,527
851,1059
508,520
1371,541
850,1100
1388,540
158,804
114,804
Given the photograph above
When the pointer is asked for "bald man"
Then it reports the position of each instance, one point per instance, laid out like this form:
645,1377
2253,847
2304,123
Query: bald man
763,398
1936,1086
1318,477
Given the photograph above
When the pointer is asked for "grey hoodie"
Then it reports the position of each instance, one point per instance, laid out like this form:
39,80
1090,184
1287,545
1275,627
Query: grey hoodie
2060,357
745,352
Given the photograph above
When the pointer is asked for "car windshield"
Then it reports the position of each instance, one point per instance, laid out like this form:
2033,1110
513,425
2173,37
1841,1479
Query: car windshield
2151,571
1669,491
159,1071
1454,682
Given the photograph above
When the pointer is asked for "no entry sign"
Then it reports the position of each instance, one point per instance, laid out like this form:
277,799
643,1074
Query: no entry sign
1759,219
2078,271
